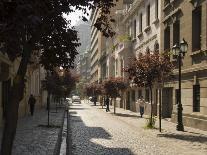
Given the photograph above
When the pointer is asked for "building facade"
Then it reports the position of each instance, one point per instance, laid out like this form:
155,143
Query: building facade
154,25
33,79
188,20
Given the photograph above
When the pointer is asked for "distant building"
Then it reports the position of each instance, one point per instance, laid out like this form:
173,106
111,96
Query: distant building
83,29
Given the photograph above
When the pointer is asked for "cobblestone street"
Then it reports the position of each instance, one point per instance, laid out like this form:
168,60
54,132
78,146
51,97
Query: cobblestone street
96,132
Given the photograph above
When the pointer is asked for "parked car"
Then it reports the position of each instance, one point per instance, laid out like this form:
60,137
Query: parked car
90,98
76,98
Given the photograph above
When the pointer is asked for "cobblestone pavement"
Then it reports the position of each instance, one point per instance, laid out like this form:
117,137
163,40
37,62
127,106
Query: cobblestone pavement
31,139
95,132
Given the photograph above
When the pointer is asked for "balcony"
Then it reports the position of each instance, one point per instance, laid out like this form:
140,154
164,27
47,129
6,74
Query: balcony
122,46
103,55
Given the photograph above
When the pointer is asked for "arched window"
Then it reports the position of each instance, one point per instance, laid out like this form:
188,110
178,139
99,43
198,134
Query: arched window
156,47
147,50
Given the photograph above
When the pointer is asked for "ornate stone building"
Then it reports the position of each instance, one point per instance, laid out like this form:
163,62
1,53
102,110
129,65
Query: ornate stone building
187,19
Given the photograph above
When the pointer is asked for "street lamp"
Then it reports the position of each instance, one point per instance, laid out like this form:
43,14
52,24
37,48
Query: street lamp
179,51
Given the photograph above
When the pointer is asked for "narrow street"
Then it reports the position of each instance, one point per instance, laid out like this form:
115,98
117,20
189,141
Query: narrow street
93,131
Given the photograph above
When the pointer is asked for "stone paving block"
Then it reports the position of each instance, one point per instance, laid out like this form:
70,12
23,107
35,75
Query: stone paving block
31,139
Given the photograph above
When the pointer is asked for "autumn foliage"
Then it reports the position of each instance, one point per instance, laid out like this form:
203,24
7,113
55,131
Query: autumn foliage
94,89
112,86
149,68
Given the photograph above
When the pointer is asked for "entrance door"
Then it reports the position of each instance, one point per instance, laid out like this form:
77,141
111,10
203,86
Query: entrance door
6,85
167,102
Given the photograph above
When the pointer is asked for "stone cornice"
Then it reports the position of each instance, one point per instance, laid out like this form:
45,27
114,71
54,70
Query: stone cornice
135,6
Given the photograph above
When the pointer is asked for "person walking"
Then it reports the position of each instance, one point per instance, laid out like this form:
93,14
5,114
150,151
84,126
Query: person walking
107,104
32,102
141,103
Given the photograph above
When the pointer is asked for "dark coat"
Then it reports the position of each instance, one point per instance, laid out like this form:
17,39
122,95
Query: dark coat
32,100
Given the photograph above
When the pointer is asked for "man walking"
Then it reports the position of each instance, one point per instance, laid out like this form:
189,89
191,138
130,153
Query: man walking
32,102
141,103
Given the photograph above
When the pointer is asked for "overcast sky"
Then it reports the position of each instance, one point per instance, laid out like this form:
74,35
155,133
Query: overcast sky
74,17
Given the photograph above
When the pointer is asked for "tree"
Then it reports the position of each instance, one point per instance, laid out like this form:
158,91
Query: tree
58,85
148,69
94,90
38,25
112,86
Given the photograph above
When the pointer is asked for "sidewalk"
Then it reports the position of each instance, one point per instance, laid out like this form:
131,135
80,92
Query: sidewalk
32,139
192,137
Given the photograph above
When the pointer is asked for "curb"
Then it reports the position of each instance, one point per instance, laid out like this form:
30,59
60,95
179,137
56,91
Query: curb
68,138
59,140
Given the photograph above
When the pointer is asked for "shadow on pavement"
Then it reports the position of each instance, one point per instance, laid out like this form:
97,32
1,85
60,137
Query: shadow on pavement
126,115
191,138
86,140
78,108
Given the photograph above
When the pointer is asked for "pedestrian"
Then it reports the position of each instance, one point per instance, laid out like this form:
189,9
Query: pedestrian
141,103
107,104
95,100
32,102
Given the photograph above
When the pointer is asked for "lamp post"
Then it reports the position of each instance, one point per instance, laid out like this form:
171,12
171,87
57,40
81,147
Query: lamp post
179,51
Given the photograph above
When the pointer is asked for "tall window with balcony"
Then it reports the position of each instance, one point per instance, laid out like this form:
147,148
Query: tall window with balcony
167,38
196,98
148,15
135,29
176,32
116,66
196,29
121,68
156,9
140,23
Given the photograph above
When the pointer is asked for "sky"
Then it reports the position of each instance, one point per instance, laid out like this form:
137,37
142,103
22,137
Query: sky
75,16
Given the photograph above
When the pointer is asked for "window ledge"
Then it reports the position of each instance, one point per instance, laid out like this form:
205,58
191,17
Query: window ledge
199,52
147,29
140,35
134,40
156,21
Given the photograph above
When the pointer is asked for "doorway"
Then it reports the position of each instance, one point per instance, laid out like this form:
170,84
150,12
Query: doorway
167,102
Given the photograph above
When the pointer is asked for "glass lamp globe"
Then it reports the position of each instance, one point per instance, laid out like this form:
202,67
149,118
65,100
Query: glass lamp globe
175,49
183,46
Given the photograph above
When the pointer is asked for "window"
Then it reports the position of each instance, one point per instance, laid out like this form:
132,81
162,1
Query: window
156,47
156,9
121,68
148,15
176,32
147,95
116,66
135,26
147,50
140,23
196,98
196,29
167,38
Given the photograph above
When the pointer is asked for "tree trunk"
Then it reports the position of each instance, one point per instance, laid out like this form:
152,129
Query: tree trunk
151,113
114,105
16,95
48,110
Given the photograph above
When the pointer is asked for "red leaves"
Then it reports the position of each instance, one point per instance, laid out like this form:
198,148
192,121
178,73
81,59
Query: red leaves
112,86
94,89
60,85
149,68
